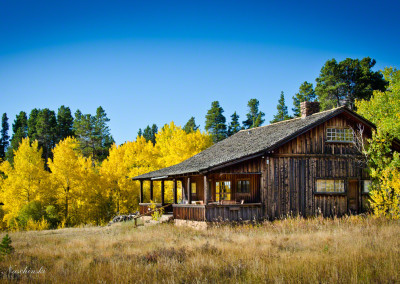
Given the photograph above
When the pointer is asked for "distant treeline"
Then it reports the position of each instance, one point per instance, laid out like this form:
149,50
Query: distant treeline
48,128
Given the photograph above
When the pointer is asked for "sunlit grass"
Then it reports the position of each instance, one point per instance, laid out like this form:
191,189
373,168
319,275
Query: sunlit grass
351,249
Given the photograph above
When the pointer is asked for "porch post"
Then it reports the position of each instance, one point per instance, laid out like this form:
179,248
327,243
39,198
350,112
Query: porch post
175,192
162,192
151,190
189,185
205,189
141,192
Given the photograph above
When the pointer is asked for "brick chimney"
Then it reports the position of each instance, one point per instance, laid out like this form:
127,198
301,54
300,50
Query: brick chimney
308,108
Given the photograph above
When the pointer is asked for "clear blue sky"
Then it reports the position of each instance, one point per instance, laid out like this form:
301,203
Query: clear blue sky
156,61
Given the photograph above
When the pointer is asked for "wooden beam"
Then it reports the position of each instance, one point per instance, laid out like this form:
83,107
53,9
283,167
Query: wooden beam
189,185
141,192
162,192
151,191
205,180
175,189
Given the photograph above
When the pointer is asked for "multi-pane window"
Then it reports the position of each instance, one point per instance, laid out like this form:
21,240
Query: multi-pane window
243,186
366,185
223,190
339,135
330,185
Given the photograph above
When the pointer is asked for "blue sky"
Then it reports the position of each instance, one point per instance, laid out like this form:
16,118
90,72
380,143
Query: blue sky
150,62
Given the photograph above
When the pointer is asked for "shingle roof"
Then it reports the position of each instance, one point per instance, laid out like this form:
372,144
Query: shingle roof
245,143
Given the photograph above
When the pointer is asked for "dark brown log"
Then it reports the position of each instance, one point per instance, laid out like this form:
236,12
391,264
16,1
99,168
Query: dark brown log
151,191
141,192
175,189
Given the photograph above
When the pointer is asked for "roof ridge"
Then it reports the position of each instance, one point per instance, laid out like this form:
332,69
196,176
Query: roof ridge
274,123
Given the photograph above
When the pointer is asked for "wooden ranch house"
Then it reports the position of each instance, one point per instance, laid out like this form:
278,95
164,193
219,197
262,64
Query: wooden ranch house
302,166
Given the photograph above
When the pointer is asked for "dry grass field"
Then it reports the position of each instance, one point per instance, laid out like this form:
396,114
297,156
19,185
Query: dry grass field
347,250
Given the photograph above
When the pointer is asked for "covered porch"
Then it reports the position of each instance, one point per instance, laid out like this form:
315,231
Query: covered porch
211,198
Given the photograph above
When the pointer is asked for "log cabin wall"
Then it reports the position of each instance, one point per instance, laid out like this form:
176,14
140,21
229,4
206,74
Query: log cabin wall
292,170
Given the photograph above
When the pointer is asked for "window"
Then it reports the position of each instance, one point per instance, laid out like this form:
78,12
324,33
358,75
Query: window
339,135
366,185
243,186
193,186
330,186
223,190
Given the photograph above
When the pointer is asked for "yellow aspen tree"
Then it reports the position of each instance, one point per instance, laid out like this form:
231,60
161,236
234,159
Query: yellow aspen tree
65,172
114,172
26,180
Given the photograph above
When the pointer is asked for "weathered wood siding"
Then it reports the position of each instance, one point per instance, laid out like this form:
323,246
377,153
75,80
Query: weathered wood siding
217,213
292,169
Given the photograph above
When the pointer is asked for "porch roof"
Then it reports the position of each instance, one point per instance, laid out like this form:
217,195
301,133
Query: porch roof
247,144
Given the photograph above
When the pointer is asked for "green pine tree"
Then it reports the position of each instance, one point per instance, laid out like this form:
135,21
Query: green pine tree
216,122
306,94
46,131
4,138
65,123
254,116
282,110
20,130
5,245
32,123
191,126
234,126
341,83
140,133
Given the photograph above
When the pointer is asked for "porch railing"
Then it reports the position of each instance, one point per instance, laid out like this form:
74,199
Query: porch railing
218,213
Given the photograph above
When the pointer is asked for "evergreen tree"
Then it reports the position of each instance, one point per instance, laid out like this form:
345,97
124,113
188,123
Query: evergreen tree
341,83
306,94
104,140
149,133
4,136
190,126
46,131
5,245
32,123
234,126
93,134
65,123
20,130
140,133
216,122
282,110
154,131
254,117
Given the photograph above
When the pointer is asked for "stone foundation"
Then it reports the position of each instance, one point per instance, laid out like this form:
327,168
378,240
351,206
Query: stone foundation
198,225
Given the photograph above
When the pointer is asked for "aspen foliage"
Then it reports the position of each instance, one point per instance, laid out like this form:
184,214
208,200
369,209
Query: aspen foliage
385,171
78,190
25,181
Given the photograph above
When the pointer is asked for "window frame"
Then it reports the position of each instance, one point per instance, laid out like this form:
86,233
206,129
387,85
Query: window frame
344,181
218,193
363,186
237,186
336,130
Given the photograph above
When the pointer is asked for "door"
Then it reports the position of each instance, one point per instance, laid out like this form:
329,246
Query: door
352,196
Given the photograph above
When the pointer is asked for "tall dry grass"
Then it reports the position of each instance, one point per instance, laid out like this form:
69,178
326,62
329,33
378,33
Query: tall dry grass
347,250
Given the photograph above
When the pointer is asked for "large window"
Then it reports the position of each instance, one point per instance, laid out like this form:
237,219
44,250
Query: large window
330,186
223,190
243,186
339,135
